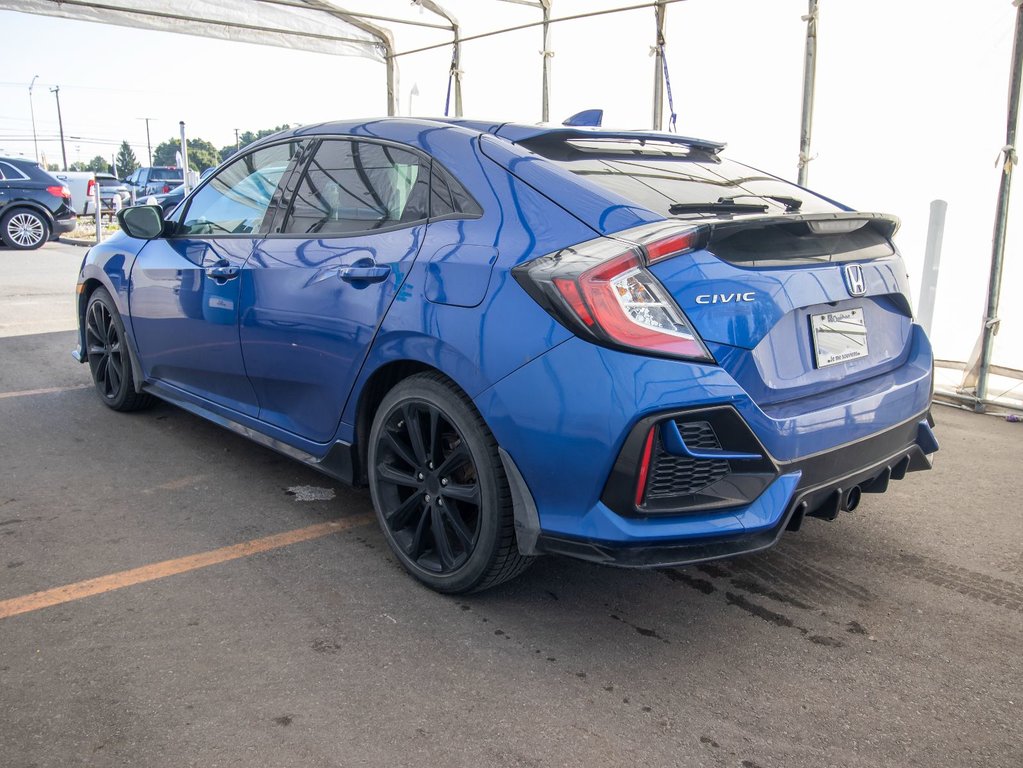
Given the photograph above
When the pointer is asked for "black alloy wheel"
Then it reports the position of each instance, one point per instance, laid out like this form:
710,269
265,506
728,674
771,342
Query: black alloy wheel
108,355
439,488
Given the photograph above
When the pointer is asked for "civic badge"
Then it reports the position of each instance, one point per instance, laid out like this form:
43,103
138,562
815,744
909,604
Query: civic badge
854,280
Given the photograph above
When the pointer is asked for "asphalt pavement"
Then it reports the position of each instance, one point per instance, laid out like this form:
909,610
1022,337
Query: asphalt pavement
890,637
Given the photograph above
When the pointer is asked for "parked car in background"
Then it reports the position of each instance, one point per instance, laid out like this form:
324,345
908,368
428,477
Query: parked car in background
619,346
153,180
166,200
34,205
81,184
114,194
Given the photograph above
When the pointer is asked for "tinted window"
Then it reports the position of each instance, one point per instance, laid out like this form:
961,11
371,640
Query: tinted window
354,186
165,174
658,174
11,172
448,197
235,200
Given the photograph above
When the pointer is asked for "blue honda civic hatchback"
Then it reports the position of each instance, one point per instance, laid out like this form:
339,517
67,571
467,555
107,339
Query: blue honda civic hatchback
619,346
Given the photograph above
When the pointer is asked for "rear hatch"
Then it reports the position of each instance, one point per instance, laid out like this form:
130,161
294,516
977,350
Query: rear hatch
793,304
792,293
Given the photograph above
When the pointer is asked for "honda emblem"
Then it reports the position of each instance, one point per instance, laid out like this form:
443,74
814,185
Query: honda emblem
854,280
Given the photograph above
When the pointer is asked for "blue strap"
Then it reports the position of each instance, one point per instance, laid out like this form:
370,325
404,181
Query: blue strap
451,76
667,83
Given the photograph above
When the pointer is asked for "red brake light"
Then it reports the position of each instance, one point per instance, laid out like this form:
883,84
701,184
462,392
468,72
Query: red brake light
603,291
90,188
630,307
59,191
672,246
570,291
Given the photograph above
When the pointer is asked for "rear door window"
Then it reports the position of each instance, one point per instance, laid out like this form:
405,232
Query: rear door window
359,186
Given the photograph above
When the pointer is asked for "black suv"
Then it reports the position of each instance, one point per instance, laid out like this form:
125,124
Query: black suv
34,206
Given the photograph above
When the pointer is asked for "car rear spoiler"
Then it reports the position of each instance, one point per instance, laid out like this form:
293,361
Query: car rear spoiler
885,224
516,133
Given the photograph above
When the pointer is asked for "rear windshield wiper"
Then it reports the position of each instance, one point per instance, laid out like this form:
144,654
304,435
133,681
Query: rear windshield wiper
721,206
792,204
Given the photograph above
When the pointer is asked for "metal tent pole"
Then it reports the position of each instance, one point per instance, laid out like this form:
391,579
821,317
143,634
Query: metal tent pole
1001,212
659,13
809,75
456,56
547,53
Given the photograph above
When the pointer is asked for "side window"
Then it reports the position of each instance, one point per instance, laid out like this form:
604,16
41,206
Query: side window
448,197
236,199
355,186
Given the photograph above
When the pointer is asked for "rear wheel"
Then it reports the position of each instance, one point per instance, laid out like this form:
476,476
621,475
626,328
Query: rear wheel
24,229
108,354
439,488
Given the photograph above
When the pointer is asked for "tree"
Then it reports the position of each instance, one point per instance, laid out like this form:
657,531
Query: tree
126,161
98,164
201,154
247,137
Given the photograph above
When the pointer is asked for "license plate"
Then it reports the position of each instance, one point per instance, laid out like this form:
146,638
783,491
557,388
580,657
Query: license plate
839,336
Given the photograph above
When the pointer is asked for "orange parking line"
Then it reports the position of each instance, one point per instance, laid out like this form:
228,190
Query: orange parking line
101,584
47,391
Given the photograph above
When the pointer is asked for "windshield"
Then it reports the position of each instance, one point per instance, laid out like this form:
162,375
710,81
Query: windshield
661,176
165,174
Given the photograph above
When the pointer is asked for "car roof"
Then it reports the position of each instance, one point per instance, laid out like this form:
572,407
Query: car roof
514,132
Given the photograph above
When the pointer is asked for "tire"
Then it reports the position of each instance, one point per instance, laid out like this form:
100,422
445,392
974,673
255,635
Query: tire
24,229
442,499
109,357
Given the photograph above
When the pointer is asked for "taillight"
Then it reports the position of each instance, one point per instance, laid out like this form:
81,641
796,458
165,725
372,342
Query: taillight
90,188
59,191
603,292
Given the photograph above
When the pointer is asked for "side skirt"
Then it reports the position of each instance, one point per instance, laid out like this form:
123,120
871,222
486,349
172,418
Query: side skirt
339,462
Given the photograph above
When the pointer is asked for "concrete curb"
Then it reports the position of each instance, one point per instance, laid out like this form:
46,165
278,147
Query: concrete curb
76,241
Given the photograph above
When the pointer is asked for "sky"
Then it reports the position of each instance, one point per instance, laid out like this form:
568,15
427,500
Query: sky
910,104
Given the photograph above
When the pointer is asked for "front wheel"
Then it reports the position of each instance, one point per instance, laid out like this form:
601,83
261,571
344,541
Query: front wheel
107,350
24,230
439,488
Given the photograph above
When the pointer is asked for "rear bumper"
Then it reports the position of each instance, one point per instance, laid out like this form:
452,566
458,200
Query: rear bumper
820,486
60,226
567,417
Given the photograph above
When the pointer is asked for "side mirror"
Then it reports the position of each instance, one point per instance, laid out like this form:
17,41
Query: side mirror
142,221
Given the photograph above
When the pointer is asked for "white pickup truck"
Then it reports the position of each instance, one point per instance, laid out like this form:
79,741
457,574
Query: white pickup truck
114,193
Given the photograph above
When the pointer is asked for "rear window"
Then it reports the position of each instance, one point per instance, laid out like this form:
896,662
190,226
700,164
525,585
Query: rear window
10,171
657,174
165,174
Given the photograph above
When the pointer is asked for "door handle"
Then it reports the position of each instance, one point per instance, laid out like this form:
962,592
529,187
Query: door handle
222,272
363,274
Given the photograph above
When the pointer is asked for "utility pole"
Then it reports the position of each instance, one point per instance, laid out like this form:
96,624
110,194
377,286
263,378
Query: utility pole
149,144
60,121
237,142
32,110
